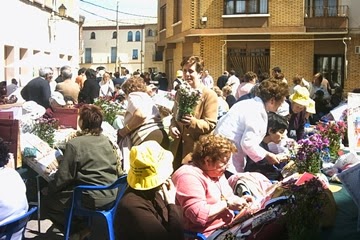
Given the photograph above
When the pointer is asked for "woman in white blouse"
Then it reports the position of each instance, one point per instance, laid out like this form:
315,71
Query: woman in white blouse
106,86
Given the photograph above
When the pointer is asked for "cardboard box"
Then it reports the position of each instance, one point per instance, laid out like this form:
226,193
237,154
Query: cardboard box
10,133
68,117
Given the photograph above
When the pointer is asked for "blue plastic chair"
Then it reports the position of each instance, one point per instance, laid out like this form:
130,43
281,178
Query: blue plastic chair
109,215
15,225
194,235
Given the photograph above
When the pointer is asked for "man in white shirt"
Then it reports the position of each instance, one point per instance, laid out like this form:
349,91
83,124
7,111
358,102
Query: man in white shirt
233,82
207,80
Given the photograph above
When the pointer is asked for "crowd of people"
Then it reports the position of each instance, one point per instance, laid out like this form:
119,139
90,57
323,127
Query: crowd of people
178,178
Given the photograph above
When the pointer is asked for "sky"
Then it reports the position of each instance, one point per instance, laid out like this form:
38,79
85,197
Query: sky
128,9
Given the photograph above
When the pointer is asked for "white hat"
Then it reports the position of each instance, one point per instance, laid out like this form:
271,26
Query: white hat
33,110
58,97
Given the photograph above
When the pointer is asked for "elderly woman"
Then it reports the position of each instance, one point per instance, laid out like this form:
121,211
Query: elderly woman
299,103
202,189
89,159
147,209
188,130
245,123
13,201
142,121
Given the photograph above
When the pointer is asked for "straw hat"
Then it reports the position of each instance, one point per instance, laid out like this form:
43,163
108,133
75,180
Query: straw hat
150,166
301,96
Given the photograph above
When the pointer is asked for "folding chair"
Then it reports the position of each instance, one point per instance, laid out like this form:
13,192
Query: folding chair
194,235
77,209
15,225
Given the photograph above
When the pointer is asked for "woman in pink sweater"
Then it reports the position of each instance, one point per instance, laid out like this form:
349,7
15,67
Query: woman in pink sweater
203,192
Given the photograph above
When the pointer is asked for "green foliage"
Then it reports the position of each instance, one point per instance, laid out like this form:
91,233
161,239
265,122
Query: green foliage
45,129
109,108
188,99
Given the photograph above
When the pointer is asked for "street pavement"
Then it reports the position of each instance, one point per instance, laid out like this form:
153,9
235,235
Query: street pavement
47,231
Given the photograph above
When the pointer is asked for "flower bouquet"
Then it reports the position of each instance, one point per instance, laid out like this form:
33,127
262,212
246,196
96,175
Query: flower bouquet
305,210
308,153
334,132
187,100
45,129
110,108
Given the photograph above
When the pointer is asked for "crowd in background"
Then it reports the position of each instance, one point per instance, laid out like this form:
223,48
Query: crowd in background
178,178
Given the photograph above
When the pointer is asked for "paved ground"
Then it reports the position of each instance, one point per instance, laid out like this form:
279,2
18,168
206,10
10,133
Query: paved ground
47,232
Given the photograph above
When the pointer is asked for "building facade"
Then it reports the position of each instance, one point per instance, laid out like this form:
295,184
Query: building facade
136,46
34,35
300,36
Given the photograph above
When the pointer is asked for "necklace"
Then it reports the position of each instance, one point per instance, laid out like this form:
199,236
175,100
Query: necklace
218,185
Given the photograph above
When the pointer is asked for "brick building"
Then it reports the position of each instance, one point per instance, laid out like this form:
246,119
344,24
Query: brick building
300,36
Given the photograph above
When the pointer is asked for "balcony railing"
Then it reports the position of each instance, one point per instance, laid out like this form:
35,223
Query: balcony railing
332,11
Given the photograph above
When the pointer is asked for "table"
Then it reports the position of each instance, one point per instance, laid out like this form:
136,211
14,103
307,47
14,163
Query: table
346,217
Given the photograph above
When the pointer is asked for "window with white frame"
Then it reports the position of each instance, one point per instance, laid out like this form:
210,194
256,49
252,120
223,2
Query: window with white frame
137,36
88,56
135,54
246,7
130,36
113,54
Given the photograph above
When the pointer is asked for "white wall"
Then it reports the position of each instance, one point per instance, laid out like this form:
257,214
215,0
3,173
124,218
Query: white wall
26,27
354,14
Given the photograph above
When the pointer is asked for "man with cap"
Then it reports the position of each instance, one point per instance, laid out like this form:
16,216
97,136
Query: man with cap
147,209
56,101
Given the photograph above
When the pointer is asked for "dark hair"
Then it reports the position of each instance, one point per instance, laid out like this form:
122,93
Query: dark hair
276,122
272,88
297,80
14,81
263,76
4,153
277,69
81,71
248,76
90,73
232,72
117,74
199,63
214,146
91,117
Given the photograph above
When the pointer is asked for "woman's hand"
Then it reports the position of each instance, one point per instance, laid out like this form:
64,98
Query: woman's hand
238,203
174,132
169,191
186,119
272,158
122,132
